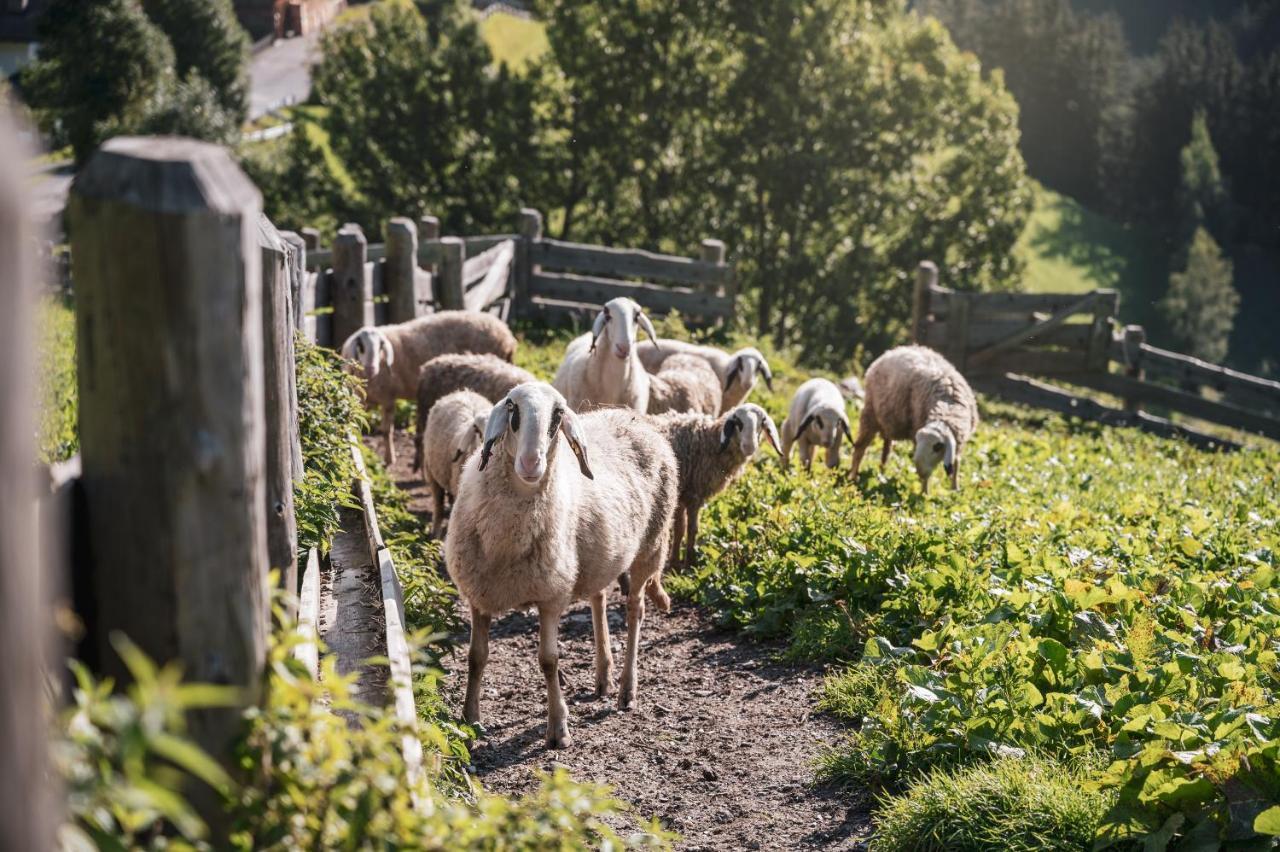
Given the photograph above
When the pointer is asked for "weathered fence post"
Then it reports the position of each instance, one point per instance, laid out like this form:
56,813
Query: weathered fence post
351,288
26,808
450,293
926,277
170,369
311,238
297,275
1134,337
957,345
429,228
530,230
281,405
1105,307
401,267
298,285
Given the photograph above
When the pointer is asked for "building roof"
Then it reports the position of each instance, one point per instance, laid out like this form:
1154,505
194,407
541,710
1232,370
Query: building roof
21,26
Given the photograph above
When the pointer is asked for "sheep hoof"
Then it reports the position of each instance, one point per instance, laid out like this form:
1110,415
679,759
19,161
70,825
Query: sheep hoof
603,689
559,738
627,701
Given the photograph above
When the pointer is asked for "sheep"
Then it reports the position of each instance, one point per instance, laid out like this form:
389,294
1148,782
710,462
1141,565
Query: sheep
601,369
712,453
531,527
736,372
453,432
403,348
913,392
816,418
684,383
487,375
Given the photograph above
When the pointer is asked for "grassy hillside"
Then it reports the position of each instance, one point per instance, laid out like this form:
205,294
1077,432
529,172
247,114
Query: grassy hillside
514,41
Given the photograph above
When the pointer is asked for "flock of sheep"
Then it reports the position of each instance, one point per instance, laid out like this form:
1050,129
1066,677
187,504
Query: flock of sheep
561,489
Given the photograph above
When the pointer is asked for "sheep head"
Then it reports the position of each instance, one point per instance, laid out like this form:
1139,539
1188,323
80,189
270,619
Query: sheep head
526,425
616,324
746,423
743,368
370,350
934,443
826,426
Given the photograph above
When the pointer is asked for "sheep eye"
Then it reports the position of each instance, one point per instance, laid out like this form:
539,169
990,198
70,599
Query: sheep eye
937,447
515,416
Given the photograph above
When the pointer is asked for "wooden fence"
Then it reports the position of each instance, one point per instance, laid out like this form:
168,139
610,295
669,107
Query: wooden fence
521,274
1007,343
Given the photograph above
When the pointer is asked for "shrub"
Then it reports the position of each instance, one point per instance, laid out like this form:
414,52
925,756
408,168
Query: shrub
1016,805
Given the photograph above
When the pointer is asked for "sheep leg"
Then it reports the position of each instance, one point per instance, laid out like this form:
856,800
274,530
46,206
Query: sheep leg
677,536
955,475
635,615
604,653
548,659
437,510
475,664
691,537
787,442
884,453
867,430
388,432
806,454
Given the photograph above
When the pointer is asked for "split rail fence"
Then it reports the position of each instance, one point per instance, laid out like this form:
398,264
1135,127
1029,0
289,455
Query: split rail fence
1015,345
416,271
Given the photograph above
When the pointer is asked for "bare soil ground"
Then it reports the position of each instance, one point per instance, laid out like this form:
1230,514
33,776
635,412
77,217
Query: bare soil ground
721,748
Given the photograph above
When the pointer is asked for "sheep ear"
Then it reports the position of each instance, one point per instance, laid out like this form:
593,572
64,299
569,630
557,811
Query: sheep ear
771,432
494,429
457,454
388,354
730,428
733,374
598,326
645,324
844,425
804,424
573,434
766,372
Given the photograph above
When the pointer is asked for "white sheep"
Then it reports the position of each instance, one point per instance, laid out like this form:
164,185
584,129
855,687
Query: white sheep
737,372
487,375
453,431
388,357
684,383
533,526
913,392
601,369
816,418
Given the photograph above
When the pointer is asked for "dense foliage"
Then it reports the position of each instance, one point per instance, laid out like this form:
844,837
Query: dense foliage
833,145
108,67
58,438
1089,591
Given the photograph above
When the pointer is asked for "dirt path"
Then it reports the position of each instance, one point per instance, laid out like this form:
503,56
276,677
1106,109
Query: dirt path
721,748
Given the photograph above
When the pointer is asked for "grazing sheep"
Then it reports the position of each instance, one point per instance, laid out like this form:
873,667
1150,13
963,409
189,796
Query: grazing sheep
816,419
913,392
712,453
601,369
684,383
736,372
388,357
533,526
487,375
454,431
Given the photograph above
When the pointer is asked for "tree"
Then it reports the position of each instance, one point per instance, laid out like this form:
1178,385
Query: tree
188,107
101,63
1203,196
1201,303
209,42
422,122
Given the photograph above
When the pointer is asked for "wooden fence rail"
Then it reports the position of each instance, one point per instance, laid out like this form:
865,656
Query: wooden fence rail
993,338
519,274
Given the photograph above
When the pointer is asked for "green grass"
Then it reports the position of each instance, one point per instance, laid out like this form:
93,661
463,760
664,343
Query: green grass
59,409
514,41
1070,249
1013,805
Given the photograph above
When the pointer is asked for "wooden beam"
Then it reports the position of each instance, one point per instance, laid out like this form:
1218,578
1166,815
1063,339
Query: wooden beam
170,369
991,305
530,230
450,291
308,651
399,273
626,263
1182,402
926,278
657,297
1239,388
497,280
351,286
1027,333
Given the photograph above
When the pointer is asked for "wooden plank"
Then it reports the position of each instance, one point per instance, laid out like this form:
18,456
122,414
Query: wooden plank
1073,336
320,259
1239,388
351,286
1029,331
989,305
1033,362
308,650
655,297
1025,391
480,244
496,282
428,252
627,263
530,229
164,233
450,292
560,313
474,269
957,346
1182,402
29,812
400,269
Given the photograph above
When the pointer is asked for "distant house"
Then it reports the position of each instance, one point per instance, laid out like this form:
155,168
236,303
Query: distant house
18,33
281,18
